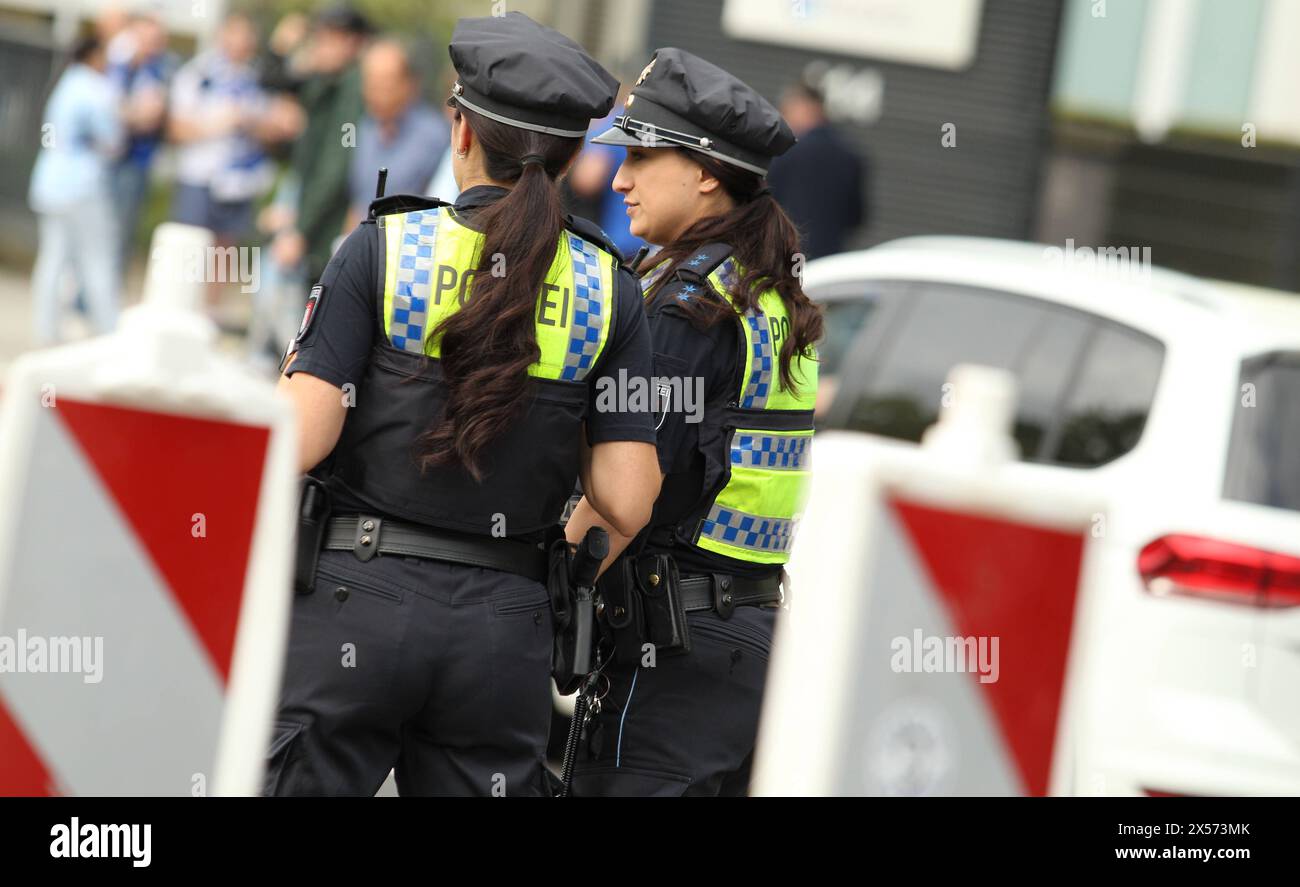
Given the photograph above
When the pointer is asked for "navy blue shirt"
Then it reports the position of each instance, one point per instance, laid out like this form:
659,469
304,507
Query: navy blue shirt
411,156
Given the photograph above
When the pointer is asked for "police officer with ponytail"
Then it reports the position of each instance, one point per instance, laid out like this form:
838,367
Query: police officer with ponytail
689,609
445,377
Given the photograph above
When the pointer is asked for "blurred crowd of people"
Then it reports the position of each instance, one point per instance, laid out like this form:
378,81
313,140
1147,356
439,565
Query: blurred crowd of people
277,142
308,119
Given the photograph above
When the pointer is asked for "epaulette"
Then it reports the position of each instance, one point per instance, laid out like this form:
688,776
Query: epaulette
677,289
589,230
704,262
401,203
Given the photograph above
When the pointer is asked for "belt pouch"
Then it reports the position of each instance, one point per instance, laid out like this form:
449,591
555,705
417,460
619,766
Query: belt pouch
313,517
660,587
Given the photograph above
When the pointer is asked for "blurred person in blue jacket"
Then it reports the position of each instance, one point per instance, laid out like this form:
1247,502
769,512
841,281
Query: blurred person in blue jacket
140,75
820,182
399,131
81,136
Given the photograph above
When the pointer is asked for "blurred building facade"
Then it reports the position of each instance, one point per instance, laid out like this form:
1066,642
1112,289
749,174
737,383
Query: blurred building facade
1169,124
947,101
1173,124
1177,126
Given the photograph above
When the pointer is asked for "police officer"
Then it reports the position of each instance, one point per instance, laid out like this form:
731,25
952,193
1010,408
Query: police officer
444,377
691,606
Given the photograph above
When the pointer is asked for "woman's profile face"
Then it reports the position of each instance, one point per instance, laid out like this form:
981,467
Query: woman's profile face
664,193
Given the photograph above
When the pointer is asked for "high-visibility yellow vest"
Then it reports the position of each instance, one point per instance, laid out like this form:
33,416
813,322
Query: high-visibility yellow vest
766,429
430,264
529,470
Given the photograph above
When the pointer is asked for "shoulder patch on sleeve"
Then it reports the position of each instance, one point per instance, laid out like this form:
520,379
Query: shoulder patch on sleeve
309,315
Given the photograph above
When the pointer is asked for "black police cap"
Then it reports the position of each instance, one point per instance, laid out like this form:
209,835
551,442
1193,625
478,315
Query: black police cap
344,18
680,99
515,71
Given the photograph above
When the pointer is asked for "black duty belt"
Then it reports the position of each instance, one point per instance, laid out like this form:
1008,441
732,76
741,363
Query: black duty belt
367,535
698,591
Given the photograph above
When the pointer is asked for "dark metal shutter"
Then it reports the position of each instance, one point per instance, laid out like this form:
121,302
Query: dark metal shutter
986,185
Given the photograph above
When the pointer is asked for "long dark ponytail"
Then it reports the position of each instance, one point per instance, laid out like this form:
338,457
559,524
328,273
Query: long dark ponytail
488,345
765,243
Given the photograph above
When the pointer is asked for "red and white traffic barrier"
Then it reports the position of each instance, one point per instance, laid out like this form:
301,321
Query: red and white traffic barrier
930,645
149,485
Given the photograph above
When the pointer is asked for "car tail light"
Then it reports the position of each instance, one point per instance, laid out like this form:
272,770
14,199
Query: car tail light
1226,571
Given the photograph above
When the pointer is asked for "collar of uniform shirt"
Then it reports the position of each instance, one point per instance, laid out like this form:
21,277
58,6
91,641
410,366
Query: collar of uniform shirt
480,195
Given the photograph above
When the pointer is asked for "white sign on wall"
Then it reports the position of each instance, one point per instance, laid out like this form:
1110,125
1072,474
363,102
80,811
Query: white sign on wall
935,33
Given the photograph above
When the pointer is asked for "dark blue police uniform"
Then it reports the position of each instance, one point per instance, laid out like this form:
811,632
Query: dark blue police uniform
424,642
685,723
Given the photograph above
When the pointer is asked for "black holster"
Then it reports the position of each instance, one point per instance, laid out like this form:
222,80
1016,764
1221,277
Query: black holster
313,516
571,581
568,662
557,585
641,604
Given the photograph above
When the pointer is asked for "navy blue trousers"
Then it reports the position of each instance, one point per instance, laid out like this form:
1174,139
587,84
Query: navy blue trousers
439,671
685,727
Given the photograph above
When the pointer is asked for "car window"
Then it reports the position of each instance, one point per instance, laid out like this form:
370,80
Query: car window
1264,452
1107,407
1043,371
1075,406
842,320
943,325
844,310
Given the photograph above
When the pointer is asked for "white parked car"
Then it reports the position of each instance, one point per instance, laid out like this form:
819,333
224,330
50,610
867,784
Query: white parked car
1180,400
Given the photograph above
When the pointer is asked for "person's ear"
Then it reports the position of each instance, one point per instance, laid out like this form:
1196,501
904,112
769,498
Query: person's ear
462,137
708,184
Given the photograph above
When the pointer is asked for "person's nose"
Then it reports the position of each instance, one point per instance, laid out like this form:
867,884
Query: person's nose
622,180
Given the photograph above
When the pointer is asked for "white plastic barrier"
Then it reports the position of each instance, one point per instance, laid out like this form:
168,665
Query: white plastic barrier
149,488
929,645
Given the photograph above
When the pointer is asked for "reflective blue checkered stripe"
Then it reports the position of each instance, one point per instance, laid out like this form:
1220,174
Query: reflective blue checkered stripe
781,452
728,275
428,249
588,311
758,381
409,310
653,276
751,531
760,362
769,450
